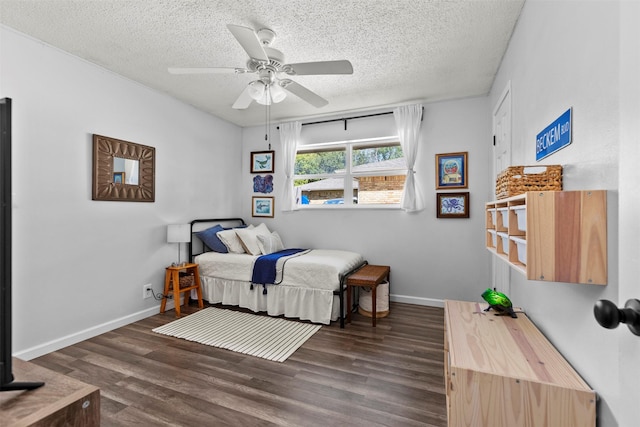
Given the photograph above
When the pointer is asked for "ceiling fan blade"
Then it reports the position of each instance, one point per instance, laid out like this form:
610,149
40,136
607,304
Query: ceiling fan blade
207,70
303,93
320,67
244,100
249,41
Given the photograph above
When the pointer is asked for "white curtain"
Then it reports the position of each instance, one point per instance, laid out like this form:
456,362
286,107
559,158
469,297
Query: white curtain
289,136
408,119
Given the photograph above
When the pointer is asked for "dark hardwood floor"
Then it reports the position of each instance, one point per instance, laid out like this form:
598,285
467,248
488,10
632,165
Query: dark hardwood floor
391,375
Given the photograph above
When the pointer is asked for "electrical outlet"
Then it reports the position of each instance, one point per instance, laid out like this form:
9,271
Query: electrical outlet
147,291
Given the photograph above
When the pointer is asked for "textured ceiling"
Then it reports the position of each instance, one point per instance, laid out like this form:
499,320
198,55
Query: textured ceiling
401,50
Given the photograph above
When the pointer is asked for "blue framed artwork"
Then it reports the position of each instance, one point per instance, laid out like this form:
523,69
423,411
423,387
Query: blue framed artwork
452,205
451,170
262,161
262,206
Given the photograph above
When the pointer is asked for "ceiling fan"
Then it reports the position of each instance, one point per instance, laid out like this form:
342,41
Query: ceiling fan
268,63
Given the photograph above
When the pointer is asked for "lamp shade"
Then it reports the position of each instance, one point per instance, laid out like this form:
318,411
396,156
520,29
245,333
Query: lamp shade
178,233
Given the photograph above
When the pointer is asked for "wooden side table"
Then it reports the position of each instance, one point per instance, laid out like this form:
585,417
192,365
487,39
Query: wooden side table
172,283
368,276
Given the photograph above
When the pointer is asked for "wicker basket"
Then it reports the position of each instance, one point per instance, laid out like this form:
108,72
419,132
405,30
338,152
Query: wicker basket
365,302
186,280
519,179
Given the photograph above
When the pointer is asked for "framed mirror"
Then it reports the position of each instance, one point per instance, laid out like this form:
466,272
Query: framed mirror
123,171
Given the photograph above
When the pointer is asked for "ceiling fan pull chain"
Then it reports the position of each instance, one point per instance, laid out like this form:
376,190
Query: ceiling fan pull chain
269,122
269,100
266,116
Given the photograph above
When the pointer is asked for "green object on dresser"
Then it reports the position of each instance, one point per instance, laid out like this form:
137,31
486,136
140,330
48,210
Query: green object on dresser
499,302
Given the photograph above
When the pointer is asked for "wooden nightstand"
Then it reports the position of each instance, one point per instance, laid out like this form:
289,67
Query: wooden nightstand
369,276
172,283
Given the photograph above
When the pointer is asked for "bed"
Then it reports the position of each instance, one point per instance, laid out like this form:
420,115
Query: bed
309,284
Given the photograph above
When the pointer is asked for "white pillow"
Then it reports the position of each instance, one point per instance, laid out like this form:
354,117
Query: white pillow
262,229
249,238
249,241
231,240
270,243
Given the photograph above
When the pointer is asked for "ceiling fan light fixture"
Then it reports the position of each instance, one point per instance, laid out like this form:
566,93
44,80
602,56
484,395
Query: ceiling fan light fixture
264,95
257,90
277,93
263,101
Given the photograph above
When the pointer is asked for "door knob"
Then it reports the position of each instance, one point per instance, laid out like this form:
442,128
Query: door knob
609,316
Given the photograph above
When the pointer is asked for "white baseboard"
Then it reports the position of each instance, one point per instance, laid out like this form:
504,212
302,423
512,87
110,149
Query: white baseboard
417,300
48,347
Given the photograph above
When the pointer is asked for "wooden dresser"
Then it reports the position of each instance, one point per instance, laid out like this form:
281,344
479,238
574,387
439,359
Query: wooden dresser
501,371
61,401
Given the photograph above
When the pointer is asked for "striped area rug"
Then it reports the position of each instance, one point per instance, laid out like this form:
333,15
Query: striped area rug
270,338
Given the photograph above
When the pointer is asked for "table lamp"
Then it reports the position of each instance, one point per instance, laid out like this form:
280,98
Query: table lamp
178,233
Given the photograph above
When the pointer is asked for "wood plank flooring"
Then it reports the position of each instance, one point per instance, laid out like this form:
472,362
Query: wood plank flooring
391,375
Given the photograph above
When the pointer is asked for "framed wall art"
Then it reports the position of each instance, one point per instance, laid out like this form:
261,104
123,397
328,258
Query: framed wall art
262,206
262,161
451,170
112,156
263,184
452,205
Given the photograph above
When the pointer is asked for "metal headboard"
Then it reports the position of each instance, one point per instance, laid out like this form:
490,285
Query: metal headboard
196,246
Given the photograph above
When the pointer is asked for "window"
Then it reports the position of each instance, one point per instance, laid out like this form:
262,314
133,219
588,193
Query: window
366,172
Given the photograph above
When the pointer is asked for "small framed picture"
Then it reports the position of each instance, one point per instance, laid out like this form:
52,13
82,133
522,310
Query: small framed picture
262,206
118,177
451,170
452,205
263,184
262,161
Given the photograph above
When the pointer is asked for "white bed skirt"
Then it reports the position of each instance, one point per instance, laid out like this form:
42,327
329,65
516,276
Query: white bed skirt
315,305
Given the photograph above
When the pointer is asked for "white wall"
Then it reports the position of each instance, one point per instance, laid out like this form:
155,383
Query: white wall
567,54
79,265
431,259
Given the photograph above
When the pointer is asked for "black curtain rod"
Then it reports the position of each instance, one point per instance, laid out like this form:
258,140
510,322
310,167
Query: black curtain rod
345,119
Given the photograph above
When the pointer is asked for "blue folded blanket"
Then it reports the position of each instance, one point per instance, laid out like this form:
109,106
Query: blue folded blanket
264,269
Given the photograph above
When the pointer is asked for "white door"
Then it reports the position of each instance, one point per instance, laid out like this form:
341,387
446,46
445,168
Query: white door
502,159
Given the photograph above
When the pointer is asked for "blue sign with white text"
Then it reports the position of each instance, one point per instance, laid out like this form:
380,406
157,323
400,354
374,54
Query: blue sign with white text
554,137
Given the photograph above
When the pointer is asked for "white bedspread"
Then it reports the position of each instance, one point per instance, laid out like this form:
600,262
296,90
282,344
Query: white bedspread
317,268
306,292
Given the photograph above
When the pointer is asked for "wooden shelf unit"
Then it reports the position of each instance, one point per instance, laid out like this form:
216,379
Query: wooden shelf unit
172,284
501,371
561,236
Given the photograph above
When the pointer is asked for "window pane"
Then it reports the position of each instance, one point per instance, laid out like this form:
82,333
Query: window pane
320,162
379,190
377,157
374,175
321,191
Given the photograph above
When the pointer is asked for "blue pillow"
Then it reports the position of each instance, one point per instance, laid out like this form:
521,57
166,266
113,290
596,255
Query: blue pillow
210,238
